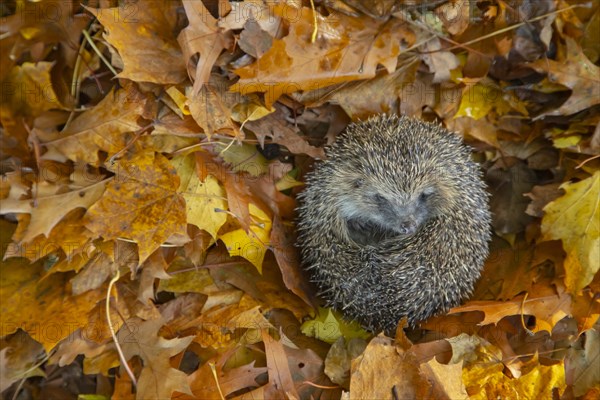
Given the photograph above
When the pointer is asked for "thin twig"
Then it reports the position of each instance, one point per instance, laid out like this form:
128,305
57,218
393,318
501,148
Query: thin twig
512,27
214,372
585,161
529,332
112,330
97,50
313,37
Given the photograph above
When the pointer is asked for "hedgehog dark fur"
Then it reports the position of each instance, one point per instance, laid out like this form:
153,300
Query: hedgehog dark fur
395,222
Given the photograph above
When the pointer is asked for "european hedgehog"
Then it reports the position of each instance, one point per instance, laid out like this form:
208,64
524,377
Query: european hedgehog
395,222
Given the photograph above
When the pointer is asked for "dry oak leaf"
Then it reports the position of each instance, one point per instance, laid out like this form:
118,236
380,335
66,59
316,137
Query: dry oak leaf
209,385
141,203
18,357
205,200
142,33
28,90
203,37
158,380
33,29
281,382
282,132
47,211
211,113
44,308
576,72
582,364
384,370
68,235
575,219
346,49
107,127
544,303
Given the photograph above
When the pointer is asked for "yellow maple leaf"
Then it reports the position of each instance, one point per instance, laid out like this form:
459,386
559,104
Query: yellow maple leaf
250,245
575,219
205,201
484,378
28,90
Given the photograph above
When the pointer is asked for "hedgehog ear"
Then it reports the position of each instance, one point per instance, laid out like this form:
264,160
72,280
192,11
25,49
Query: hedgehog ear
358,183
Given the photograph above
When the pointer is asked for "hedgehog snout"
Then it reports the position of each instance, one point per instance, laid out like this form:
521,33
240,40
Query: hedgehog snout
407,227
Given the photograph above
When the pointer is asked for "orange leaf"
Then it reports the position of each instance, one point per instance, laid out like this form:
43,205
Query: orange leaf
157,379
142,33
45,309
346,49
106,127
141,203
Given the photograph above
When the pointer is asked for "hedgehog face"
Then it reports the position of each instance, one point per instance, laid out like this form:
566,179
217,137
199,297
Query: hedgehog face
372,214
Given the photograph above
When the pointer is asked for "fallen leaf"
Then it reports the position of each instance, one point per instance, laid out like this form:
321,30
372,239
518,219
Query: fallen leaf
547,306
581,364
18,358
251,245
294,63
28,90
45,309
158,380
385,372
107,127
205,200
574,218
280,377
484,378
576,72
329,326
140,203
142,33
47,211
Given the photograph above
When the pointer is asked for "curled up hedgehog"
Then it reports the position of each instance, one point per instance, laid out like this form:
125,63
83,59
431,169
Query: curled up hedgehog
395,222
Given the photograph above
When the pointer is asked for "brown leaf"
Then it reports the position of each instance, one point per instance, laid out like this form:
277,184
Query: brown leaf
47,211
212,381
19,352
383,370
107,127
157,379
274,125
281,382
446,380
386,93
576,72
253,40
288,259
154,268
142,33
43,308
28,90
338,55
544,303
140,203
509,180
210,112
203,37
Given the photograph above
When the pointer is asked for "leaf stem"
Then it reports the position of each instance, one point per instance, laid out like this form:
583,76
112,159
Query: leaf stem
112,330
97,50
